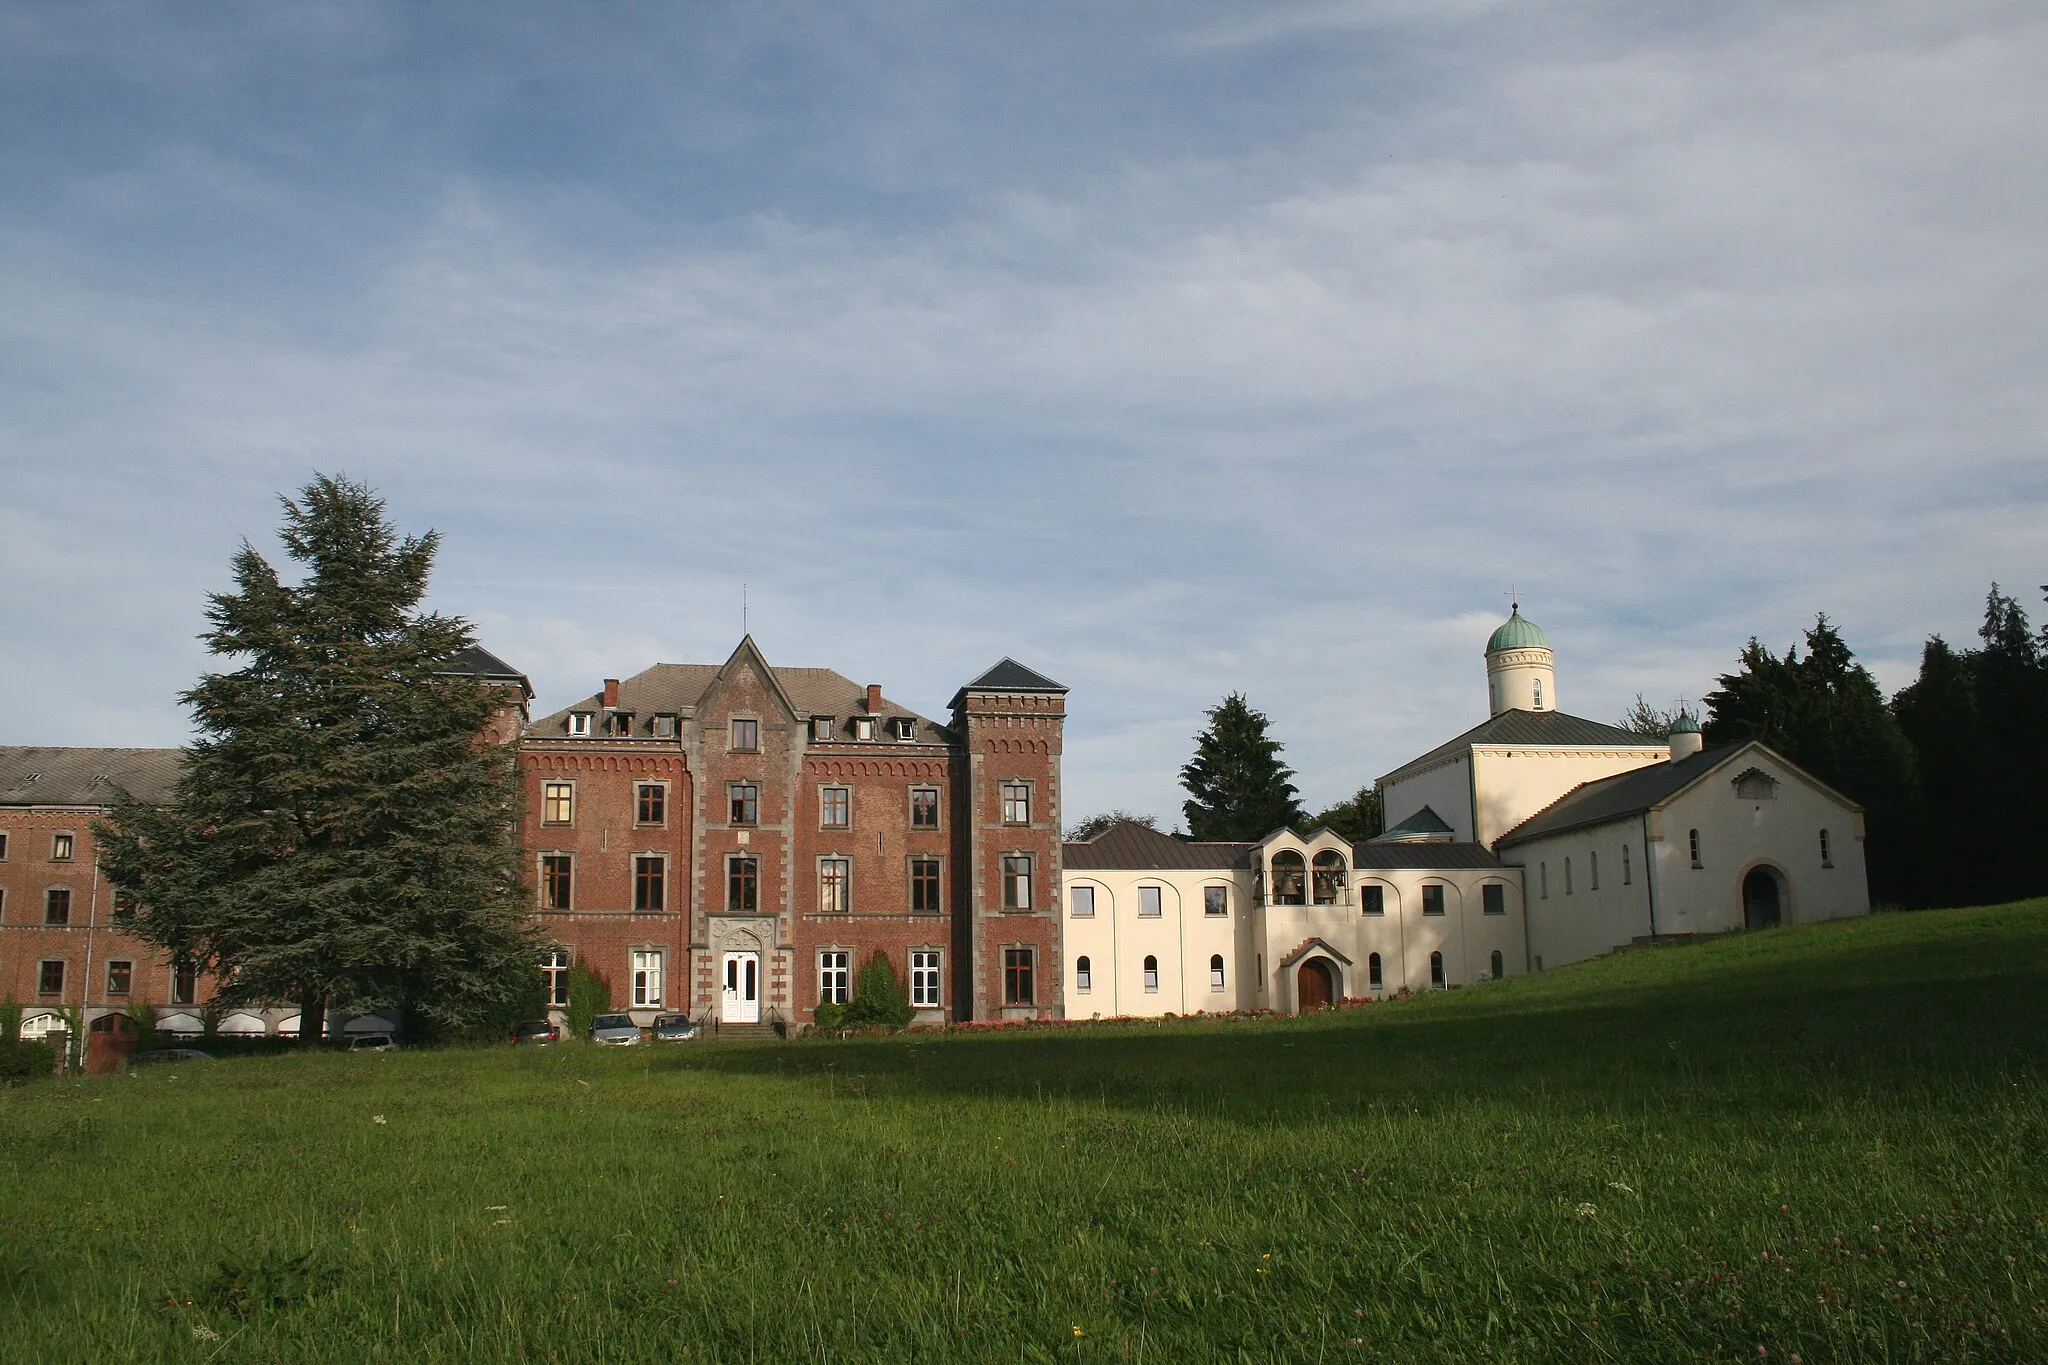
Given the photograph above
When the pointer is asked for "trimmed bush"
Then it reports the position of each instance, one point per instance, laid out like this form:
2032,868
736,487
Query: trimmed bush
23,1062
879,1000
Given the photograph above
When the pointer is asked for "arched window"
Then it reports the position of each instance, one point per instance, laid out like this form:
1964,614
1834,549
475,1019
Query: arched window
1372,972
1151,975
1084,979
1289,878
1215,971
1436,969
1500,968
1539,694
1827,854
1627,874
1694,837
1329,878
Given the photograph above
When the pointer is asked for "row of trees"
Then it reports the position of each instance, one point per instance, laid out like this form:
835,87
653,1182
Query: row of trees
1949,770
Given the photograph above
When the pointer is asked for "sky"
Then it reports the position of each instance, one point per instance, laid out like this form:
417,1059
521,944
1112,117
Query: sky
1171,349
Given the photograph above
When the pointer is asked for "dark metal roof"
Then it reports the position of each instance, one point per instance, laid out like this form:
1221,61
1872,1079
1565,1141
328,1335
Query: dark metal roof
1537,729
675,689
1128,846
53,776
1425,824
1423,856
1624,794
1010,676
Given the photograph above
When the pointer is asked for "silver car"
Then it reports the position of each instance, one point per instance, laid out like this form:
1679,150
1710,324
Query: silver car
617,1029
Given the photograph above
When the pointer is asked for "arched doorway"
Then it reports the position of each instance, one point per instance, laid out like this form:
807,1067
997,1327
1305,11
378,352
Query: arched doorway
1313,985
1760,902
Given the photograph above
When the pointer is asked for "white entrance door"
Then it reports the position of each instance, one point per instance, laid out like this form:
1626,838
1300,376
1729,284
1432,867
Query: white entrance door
740,1002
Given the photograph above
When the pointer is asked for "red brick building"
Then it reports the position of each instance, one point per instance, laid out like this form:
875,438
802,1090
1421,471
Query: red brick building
734,840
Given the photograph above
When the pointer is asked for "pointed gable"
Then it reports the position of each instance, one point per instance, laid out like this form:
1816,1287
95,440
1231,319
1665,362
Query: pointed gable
748,657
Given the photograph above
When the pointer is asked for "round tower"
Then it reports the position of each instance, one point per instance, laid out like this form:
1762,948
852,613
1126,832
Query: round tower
1686,739
1520,673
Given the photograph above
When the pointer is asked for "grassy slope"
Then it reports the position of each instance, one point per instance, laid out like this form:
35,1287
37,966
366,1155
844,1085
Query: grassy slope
1819,1141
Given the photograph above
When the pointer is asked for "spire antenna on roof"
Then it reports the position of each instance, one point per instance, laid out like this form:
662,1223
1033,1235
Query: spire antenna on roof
1514,596
743,609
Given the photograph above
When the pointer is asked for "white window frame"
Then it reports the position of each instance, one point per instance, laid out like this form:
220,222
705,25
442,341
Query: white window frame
906,728
1016,802
1149,968
1218,973
554,970
579,724
927,978
646,975
835,976
1084,975
548,789
63,846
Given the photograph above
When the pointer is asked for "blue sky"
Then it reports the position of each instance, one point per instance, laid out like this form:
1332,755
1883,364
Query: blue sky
1172,349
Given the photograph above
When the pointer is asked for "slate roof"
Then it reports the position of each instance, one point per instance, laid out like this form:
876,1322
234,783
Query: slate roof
48,775
1007,675
1130,846
1536,729
488,666
676,689
1624,794
1426,856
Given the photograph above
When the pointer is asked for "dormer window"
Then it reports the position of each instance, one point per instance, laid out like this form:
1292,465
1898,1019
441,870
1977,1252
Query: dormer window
664,725
579,723
863,727
619,723
821,729
905,727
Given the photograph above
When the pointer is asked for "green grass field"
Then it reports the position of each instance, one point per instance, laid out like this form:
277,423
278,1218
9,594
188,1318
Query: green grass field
1823,1144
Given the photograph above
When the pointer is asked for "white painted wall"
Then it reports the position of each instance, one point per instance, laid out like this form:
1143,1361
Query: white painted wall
1569,925
1515,781
1118,938
1447,790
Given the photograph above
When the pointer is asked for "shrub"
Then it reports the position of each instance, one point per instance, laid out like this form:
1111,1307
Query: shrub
10,1021
589,996
879,1000
22,1062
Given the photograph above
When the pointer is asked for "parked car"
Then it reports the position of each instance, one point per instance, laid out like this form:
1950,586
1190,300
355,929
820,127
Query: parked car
536,1031
617,1029
373,1042
170,1054
673,1028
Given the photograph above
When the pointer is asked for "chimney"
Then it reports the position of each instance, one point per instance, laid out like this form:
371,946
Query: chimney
611,691
874,699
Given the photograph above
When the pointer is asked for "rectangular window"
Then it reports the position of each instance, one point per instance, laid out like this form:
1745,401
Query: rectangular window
619,723
1432,900
835,807
1148,902
1593,871
1372,899
650,804
1017,881
57,905
50,977
1693,837
60,848
835,978
1627,876
1216,973
924,980
1493,899
924,807
120,977
3,845
647,978
557,803
863,727
1216,900
1543,880
664,727
821,729
556,880
746,736
742,883
835,886
650,882
184,984
924,886
1827,853
743,800
906,728
1016,803
554,970
1151,972
1567,876
1018,986
579,723
1081,901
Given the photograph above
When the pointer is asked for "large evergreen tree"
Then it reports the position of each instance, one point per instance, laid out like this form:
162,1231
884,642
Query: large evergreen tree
341,832
1237,786
1826,713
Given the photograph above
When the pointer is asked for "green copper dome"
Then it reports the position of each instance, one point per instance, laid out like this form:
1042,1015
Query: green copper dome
1685,724
1517,633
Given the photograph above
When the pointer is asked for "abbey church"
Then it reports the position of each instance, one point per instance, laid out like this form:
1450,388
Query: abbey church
732,840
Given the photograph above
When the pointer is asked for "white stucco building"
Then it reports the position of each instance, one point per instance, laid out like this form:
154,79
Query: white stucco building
1534,839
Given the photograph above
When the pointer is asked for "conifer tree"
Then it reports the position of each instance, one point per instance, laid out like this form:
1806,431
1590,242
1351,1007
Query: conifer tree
341,834
1237,786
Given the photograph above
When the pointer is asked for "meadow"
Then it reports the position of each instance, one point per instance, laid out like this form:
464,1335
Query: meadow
1810,1144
